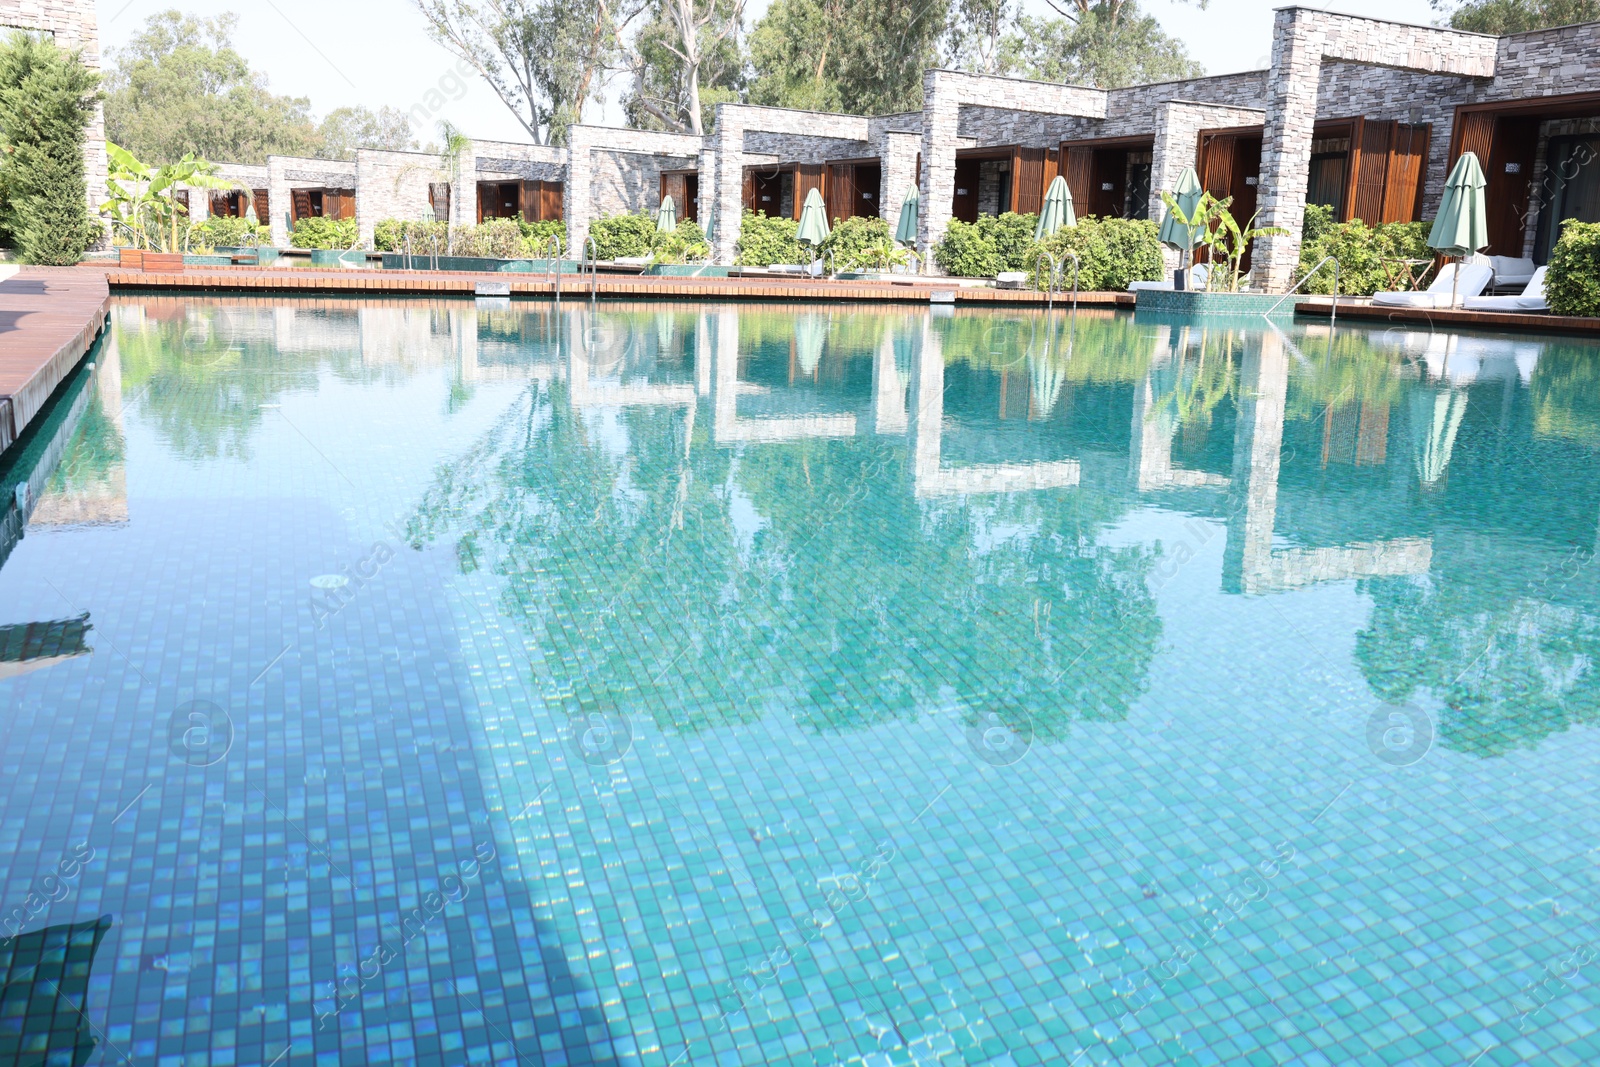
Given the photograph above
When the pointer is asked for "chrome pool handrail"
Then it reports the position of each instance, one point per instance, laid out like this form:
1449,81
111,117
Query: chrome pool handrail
1333,315
592,264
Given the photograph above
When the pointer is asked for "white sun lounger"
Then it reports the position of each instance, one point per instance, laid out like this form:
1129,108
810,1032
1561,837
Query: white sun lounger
1531,298
1197,280
1475,278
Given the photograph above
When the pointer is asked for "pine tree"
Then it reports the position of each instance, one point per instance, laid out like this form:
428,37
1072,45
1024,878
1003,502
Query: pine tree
47,98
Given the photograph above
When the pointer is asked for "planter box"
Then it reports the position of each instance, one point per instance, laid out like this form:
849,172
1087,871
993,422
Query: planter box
163,262
130,258
1183,302
687,270
191,259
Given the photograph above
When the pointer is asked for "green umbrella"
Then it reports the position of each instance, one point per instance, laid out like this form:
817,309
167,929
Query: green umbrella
810,332
1462,225
667,217
906,232
813,220
1187,193
1057,210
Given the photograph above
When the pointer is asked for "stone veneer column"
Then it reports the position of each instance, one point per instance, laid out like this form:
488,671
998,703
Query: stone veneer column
706,171
941,112
464,191
577,190
1286,144
1174,149
728,193
899,173
279,200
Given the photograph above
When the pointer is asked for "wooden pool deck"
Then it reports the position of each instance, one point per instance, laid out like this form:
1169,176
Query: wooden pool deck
1516,322
49,317
347,282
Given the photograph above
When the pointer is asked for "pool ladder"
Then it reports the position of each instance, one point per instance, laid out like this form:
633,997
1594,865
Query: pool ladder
1053,283
1333,315
591,263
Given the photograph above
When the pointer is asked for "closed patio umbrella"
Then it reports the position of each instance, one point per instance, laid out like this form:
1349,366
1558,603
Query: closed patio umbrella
1187,193
813,220
1057,211
906,231
1462,225
1436,416
667,217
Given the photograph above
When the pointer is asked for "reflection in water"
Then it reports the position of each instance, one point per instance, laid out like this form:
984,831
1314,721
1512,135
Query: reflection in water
681,603
44,994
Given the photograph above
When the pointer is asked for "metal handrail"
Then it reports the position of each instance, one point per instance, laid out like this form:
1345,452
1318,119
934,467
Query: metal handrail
1051,278
553,263
830,263
1333,315
592,264
1077,266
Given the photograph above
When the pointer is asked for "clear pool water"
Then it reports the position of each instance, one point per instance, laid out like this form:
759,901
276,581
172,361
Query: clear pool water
443,683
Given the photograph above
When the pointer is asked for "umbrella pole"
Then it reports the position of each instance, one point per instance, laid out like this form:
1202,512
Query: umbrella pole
1455,282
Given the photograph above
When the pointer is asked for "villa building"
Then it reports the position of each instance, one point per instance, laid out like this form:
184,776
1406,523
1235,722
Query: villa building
1362,115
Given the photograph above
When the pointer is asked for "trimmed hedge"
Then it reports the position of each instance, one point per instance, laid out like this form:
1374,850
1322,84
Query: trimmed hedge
623,236
1572,282
536,237
222,231
984,248
1112,253
320,232
1359,250
765,240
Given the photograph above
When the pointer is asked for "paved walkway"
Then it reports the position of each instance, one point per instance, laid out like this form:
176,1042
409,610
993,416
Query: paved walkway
49,316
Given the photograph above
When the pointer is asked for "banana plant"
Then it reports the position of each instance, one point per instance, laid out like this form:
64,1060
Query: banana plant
144,202
1221,235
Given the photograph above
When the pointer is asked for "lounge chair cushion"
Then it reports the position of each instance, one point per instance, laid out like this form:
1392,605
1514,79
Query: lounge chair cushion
1198,274
1530,299
1475,278
1511,271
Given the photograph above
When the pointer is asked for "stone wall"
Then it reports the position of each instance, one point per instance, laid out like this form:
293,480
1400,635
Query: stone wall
394,185
1177,139
74,27
500,161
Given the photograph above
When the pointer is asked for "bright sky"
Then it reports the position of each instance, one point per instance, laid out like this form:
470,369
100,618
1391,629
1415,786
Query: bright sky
377,52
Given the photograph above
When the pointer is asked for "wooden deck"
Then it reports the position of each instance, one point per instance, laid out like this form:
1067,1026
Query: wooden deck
49,317
1481,320
290,281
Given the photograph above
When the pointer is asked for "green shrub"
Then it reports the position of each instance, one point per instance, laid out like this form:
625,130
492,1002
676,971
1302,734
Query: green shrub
984,248
47,97
765,240
426,238
1359,249
1572,283
863,243
536,237
319,232
494,239
620,236
1111,253
223,231
686,243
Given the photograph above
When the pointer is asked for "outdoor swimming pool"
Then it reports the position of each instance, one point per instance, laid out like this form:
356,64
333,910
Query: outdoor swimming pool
440,683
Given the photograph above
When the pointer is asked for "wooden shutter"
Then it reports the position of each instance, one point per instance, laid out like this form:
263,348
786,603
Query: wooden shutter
807,176
439,200
1027,180
263,207
220,205
749,189
347,203
1509,171
1370,142
1408,159
691,198
1216,164
1080,173
551,204
302,204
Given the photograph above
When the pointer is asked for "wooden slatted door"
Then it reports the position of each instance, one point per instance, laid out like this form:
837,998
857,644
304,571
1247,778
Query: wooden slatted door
1108,189
1216,164
302,204
1027,180
552,201
808,176
1408,162
1509,173
841,191
1370,140
263,206
1079,172
1474,133
750,191
439,200
690,208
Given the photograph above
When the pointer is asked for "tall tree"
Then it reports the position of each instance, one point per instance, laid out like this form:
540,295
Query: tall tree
349,128
178,86
684,61
543,58
1108,45
1501,17
864,57
47,98
975,39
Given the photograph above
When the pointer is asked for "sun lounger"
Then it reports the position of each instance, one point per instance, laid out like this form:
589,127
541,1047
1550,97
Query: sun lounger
1531,298
1474,279
1197,280
1511,274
